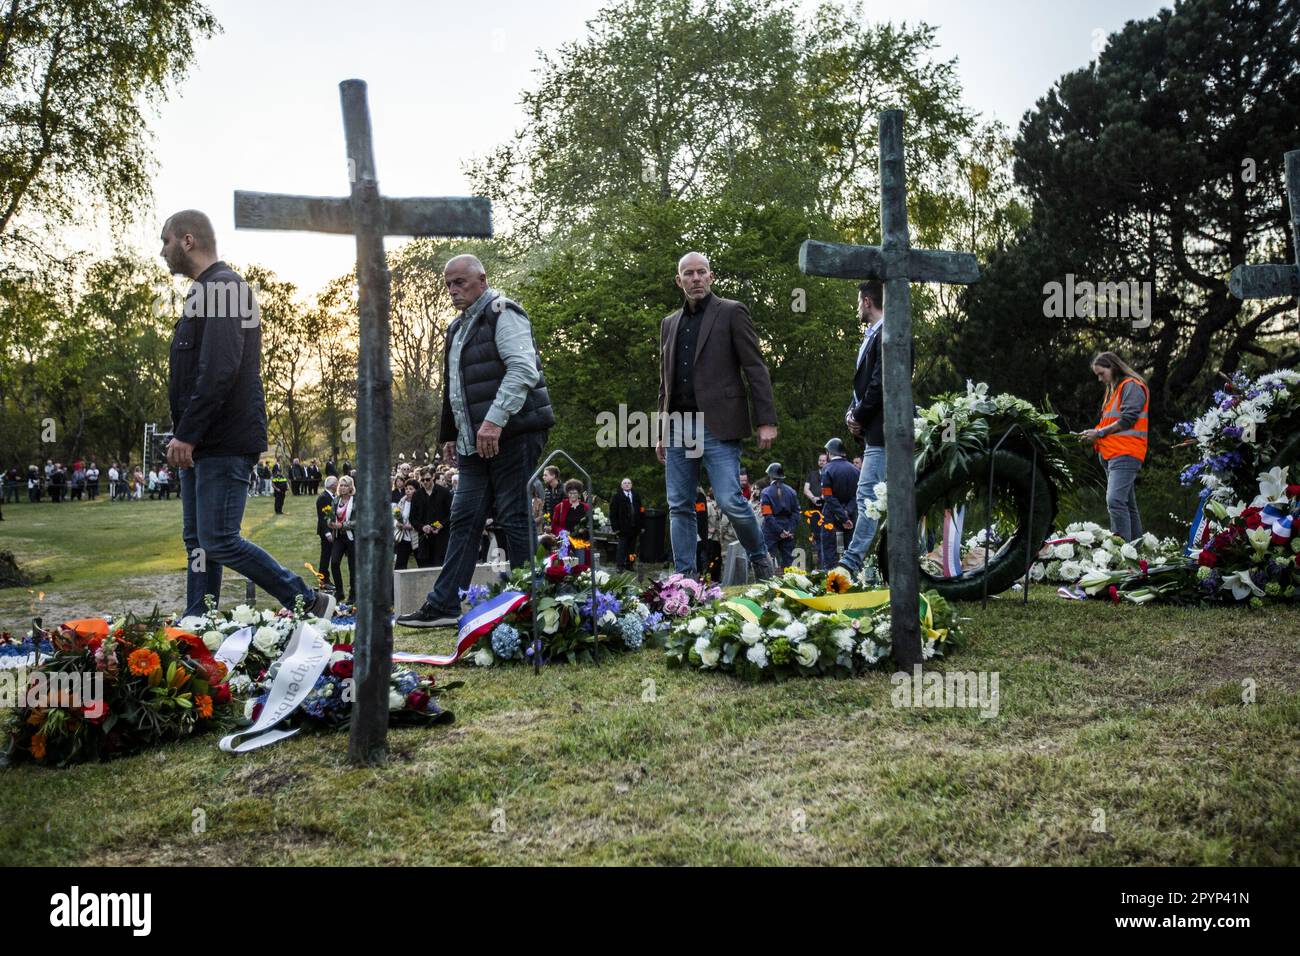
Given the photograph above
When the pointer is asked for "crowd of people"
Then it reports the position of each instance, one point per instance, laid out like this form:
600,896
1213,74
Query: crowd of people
715,393
83,481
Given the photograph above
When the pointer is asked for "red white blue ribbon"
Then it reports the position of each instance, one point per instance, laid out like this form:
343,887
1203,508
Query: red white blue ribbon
473,624
952,525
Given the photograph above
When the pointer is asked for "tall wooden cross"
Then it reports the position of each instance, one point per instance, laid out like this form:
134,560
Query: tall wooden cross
1275,281
369,216
896,264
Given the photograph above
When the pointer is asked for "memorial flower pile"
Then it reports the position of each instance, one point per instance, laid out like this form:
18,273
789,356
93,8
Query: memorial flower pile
580,616
106,690
1251,555
411,698
1243,431
272,630
1085,547
803,625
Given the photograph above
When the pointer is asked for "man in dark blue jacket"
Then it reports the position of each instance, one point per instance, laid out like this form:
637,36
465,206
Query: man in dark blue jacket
780,507
839,500
866,419
219,420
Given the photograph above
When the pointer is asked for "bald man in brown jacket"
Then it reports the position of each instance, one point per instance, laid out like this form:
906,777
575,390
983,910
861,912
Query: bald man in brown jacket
710,370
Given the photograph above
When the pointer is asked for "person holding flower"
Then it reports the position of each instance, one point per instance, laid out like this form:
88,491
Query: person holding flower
344,542
1121,439
406,535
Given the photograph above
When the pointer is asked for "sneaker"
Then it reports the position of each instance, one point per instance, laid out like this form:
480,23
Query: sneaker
763,568
427,616
323,606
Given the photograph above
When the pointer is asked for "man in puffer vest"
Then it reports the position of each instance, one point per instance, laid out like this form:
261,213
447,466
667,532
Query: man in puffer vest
495,417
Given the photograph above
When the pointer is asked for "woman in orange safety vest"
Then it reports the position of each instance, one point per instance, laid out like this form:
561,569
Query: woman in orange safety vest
1121,439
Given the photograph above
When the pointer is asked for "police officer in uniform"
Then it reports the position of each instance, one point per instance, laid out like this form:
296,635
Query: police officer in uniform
780,515
839,499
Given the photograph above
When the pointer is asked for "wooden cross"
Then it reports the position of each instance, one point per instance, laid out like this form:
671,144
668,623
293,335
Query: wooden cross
369,216
896,264
1275,281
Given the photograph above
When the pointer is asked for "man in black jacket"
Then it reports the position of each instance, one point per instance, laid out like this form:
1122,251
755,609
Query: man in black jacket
627,516
325,500
866,419
219,420
496,413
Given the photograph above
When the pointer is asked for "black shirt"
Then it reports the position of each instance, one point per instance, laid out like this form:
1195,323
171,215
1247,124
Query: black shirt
688,333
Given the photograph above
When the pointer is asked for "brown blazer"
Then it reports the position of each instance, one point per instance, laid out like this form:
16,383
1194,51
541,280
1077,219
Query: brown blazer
727,346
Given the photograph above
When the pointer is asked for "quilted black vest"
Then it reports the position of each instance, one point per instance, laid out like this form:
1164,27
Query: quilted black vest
482,369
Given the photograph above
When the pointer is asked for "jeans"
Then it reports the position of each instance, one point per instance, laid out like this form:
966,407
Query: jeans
721,459
500,484
872,473
213,495
1121,498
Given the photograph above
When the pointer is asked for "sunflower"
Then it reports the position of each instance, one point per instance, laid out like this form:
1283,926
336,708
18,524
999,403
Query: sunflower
203,703
837,582
143,662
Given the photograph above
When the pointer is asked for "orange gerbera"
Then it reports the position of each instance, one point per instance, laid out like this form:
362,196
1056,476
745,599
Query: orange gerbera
143,662
204,704
38,746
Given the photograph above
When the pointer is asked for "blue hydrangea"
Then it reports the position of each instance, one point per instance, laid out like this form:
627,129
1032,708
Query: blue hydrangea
505,642
630,629
604,601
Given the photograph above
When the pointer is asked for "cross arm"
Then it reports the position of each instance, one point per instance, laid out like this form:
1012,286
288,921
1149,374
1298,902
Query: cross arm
841,261
420,216
1264,282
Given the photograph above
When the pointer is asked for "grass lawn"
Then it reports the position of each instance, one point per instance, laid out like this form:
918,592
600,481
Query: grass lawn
1121,739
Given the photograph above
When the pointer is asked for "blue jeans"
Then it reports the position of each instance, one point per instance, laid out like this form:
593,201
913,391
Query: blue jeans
499,484
213,495
1121,499
873,472
721,459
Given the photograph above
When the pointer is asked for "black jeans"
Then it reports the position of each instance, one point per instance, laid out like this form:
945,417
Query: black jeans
499,484
344,547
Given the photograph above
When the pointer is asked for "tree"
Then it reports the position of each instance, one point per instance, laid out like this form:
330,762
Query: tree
77,80
288,328
1159,163
761,135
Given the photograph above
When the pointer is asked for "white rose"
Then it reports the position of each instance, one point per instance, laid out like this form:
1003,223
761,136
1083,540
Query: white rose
751,633
709,657
696,625
243,615
1070,570
239,684
602,578
1101,558
1037,572
213,640
1064,551
1128,552
1150,541
757,655
268,616
844,639
395,700
795,631
609,617
483,657
266,641
807,654
1085,537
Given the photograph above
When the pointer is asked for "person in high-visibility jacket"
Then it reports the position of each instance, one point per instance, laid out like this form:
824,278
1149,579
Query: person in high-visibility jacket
1121,439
